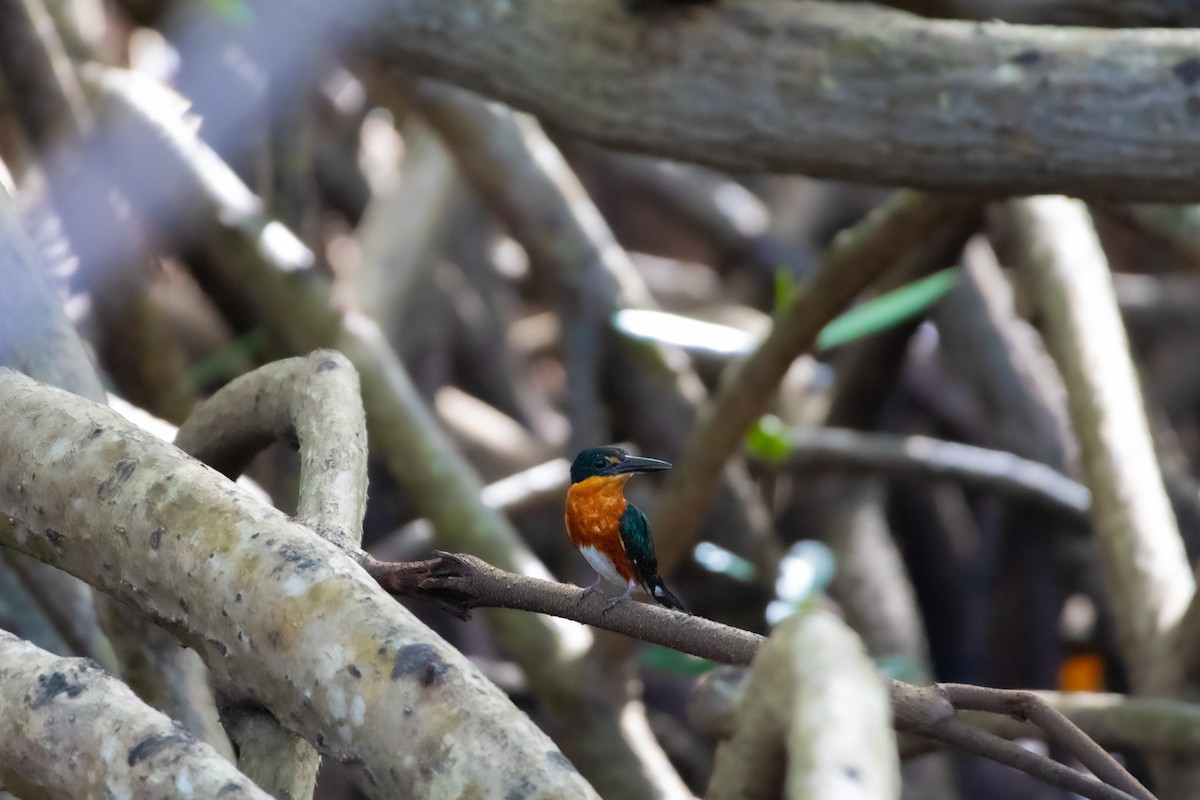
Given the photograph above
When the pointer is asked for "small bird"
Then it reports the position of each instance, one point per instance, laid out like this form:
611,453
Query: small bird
610,532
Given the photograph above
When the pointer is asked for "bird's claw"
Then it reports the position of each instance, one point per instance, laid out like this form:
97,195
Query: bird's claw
611,604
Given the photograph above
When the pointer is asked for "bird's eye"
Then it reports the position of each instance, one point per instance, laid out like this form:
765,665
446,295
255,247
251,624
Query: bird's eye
601,462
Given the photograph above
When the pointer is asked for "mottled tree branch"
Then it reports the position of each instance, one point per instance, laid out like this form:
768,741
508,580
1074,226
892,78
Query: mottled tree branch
314,401
982,106
276,612
69,729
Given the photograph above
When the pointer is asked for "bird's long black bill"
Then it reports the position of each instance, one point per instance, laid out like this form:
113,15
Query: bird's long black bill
639,464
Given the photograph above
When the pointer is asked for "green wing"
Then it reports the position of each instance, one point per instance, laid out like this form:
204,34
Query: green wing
635,535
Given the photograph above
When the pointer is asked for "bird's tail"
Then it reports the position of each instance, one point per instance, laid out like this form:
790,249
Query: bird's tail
663,596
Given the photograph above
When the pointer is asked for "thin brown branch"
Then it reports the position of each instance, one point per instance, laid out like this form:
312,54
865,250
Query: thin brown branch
926,712
857,257
1118,721
460,583
1028,706
983,106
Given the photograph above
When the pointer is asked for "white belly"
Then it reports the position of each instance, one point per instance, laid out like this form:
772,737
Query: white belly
603,566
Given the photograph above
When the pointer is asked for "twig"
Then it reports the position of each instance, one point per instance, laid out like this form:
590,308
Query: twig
675,84
923,710
1117,721
1028,706
857,257
460,583
927,457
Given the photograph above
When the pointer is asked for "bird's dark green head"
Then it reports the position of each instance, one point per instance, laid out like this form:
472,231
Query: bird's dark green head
606,462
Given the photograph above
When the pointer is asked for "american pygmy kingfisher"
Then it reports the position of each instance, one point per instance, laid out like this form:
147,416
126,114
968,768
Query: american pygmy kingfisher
607,530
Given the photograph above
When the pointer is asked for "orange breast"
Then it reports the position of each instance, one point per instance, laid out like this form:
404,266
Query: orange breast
594,509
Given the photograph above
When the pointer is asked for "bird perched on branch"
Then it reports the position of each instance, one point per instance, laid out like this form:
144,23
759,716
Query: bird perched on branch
607,530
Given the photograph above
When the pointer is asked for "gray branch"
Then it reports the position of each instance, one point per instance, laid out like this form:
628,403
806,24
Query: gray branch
272,609
935,458
69,729
316,402
850,92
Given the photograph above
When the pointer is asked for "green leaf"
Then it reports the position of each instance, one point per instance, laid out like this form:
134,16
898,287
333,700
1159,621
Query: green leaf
673,662
887,310
768,439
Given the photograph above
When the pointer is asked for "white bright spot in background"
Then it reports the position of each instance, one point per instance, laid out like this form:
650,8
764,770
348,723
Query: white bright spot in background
674,329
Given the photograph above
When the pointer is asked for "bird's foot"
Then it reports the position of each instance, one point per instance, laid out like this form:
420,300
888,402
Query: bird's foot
587,590
628,593
611,604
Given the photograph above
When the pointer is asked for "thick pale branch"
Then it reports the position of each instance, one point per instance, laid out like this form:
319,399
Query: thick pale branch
314,401
814,722
1142,554
812,87
69,729
272,608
